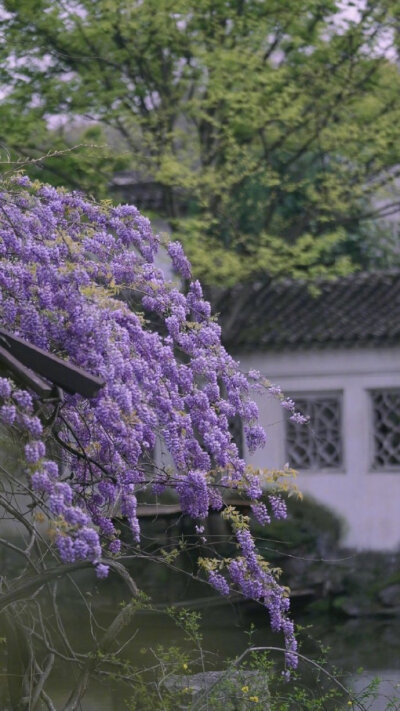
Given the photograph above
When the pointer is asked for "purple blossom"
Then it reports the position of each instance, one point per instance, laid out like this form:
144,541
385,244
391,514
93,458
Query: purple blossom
102,571
159,487
91,538
246,541
41,483
254,374
80,549
261,514
215,498
76,517
56,504
5,388
66,550
218,582
34,451
278,506
50,468
255,437
8,414
179,260
298,418
22,180
115,546
275,390
48,290
288,404
23,399
253,487
31,424
64,490
194,494
106,526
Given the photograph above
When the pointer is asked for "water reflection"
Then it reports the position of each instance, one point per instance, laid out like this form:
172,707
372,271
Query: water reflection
368,643
388,689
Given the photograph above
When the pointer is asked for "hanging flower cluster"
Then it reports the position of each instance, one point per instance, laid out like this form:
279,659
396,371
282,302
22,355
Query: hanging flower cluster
79,279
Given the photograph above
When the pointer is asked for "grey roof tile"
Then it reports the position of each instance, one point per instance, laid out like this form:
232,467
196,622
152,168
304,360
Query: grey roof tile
362,309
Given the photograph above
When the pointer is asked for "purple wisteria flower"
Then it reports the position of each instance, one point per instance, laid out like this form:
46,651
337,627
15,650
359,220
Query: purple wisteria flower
34,451
260,513
179,259
218,582
102,571
278,506
68,270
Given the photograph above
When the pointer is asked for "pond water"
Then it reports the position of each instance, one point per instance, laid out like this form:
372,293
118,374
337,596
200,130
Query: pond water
370,644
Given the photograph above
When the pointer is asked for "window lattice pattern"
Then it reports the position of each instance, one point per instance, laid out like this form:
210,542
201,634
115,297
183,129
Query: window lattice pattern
317,444
386,424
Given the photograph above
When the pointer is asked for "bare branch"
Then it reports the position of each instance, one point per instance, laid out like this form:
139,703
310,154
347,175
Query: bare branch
40,684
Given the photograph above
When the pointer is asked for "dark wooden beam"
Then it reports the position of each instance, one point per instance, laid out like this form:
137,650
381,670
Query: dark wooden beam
175,510
60,372
25,376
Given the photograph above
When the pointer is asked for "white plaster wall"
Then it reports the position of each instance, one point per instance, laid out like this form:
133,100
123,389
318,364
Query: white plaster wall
368,501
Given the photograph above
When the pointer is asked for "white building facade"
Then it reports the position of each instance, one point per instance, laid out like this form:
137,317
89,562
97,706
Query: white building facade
343,371
360,487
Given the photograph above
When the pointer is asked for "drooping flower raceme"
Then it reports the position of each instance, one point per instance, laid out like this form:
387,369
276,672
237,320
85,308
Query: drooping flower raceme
79,279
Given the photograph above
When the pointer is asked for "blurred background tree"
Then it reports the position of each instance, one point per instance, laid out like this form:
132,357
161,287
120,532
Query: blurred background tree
270,127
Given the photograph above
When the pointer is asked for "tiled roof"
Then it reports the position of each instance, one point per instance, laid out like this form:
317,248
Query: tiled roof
358,310
138,189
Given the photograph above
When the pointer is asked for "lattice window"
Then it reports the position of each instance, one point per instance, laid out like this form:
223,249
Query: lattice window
386,428
318,444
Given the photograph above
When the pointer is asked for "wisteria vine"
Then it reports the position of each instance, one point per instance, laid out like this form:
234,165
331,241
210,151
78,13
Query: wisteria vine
79,279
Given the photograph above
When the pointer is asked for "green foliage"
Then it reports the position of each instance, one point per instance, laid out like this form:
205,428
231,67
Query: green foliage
75,156
178,679
269,125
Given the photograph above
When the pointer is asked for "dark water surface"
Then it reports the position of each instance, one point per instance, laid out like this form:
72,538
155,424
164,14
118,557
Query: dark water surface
369,643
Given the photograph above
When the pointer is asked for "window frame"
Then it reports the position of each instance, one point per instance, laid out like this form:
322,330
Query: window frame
375,468
319,394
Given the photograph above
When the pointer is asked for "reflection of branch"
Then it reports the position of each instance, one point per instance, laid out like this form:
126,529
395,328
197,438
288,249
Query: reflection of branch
18,658
75,659
59,622
14,512
21,551
40,684
34,534
30,585
26,678
47,700
34,672
119,622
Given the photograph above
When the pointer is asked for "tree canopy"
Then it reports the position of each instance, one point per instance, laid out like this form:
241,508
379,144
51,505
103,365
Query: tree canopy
270,126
